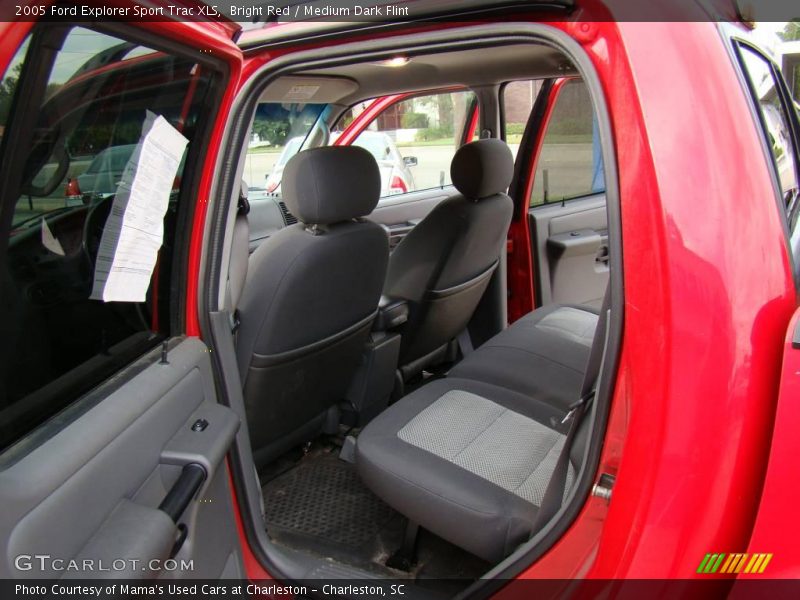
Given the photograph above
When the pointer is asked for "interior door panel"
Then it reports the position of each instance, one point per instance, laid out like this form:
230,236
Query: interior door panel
108,480
570,246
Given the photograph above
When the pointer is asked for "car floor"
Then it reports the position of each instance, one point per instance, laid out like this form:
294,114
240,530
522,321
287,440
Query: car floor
317,504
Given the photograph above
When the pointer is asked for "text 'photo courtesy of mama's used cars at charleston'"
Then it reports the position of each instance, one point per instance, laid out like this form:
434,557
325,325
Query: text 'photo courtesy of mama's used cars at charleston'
486,298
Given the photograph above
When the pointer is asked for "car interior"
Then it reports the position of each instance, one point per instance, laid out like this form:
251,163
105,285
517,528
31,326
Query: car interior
399,425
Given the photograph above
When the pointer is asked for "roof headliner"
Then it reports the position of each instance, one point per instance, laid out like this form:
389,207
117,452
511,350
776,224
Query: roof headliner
470,68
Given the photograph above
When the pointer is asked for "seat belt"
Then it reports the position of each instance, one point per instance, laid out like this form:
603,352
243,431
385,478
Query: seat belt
465,342
232,299
554,492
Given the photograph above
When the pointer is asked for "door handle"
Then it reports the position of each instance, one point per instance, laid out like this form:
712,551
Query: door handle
182,491
178,499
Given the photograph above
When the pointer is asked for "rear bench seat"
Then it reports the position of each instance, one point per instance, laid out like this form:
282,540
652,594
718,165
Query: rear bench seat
542,355
469,457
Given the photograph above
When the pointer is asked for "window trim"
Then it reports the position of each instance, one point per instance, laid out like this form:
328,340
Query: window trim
740,47
733,41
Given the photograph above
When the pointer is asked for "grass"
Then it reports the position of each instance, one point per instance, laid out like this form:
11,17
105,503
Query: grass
439,142
513,138
265,150
569,138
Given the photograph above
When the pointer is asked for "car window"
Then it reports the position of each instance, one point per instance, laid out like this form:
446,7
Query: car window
775,120
570,163
414,140
518,100
58,342
280,131
377,144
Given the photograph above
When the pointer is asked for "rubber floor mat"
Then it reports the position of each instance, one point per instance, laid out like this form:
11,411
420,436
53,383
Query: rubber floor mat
323,498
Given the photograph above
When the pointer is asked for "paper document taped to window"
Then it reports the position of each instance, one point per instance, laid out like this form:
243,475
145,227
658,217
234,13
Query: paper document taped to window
134,231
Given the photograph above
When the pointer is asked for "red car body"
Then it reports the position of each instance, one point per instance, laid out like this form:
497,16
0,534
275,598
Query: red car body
702,431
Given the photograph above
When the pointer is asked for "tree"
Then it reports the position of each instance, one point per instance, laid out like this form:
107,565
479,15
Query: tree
7,88
272,131
791,32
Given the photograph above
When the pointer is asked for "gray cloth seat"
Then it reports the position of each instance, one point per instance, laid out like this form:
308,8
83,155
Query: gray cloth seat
542,355
467,460
311,295
443,267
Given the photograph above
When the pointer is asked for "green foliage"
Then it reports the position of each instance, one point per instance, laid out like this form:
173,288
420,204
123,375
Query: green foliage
7,88
515,128
791,32
274,132
414,120
91,137
434,133
574,126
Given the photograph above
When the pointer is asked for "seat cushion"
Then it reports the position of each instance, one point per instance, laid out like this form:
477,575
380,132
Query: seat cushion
542,355
467,460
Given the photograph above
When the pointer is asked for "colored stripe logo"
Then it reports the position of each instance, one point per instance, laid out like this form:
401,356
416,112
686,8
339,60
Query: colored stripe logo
734,563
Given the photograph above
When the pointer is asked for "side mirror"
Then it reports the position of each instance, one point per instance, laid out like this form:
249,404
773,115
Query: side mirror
410,161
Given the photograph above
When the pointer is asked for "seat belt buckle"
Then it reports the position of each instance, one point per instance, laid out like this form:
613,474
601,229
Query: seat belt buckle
573,408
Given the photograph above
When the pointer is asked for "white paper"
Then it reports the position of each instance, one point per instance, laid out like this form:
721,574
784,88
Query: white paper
134,230
50,241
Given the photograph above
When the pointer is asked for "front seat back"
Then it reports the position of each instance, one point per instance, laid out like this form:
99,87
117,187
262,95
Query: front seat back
312,293
444,265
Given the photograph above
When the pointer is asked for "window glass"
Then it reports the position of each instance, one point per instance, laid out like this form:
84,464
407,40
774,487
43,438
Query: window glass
777,128
518,100
57,342
414,140
279,132
8,85
791,71
570,163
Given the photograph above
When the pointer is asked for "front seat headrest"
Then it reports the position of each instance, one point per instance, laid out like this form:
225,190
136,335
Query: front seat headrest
483,168
328,185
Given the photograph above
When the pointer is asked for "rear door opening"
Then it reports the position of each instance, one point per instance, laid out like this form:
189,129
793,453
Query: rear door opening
346,523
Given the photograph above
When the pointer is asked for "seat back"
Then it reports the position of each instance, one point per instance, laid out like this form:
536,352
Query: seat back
311,295
445,264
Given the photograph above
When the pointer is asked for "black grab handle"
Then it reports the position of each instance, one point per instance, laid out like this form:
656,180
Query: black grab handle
184,489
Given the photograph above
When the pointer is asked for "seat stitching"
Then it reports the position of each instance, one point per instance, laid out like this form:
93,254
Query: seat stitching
469,443
546,454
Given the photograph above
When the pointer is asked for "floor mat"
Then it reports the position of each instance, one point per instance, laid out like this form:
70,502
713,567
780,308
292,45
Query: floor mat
323,499
321,506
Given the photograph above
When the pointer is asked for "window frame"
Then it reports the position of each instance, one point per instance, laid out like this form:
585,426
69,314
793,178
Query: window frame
792,210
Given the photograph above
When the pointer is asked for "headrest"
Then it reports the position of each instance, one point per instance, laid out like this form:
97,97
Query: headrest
332,184
483,168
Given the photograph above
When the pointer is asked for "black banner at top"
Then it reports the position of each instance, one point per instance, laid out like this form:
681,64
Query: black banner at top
254,13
